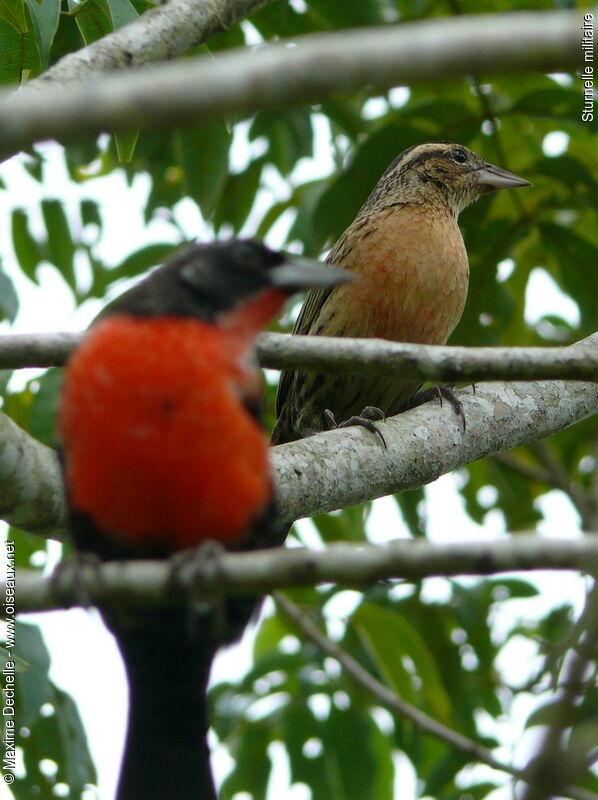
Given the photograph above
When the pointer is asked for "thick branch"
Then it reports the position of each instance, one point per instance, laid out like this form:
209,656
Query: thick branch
316,66
161,34
343,467
362,356
152,583
31,496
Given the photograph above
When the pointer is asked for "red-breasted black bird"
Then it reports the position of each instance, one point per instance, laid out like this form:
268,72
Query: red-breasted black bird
163,450
407,249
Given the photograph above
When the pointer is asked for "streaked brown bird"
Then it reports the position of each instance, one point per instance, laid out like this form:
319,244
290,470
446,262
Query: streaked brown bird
407,249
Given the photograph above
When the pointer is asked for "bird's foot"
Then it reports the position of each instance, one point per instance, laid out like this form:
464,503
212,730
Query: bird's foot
68,579
365,420
442,393
194,572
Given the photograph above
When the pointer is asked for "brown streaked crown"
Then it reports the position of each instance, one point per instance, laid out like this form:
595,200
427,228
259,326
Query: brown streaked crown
439,172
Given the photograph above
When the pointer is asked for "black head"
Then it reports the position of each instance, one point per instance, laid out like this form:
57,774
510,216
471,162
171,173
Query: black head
206,280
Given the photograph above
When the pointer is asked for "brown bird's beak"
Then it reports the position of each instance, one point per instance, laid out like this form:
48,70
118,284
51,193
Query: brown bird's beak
298,272
492,178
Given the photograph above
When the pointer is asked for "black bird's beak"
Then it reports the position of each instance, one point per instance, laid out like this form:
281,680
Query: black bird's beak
297,272
492,178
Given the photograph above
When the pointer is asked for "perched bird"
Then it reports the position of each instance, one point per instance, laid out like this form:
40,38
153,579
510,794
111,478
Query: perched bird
163,450
406,247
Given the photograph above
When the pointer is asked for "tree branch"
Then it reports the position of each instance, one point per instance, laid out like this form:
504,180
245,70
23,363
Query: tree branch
160,34
362,356
429,362
280,75
397,705
23,350
31,493
148,583
343,467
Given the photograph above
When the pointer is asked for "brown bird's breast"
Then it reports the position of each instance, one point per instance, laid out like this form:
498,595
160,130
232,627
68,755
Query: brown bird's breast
414,277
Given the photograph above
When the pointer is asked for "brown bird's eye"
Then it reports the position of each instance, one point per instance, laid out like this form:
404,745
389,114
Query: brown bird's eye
459,156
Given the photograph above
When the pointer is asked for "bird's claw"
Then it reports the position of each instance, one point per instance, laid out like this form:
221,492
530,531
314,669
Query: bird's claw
442,393
68,578
191,570
364,420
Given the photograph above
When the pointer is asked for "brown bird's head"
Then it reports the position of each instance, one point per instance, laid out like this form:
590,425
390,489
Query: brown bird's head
441,173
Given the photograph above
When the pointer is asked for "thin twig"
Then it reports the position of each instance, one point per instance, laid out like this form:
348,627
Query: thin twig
392,701
150,582
362,356
579,498
530,471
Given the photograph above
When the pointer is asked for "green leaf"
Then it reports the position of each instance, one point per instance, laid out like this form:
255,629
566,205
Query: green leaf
350,760
289,134
271,216
202,151
77,766
555,103
269,635
9,301
573,174
138,262
126,141
61,248
238,197
45,16
90,213
577,258
33,684
26,248
93,18
26,546
58,736
345,525
298,727
412,506
19,59
20,665
122,12
389,638
252,765
13,11
45,407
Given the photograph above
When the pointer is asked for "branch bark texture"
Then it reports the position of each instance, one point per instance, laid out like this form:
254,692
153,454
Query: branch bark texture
363,356
31,494
308,69
428,362
148,583
161,34
343,467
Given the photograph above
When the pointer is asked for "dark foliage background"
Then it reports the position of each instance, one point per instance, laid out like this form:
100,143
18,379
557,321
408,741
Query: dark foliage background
444,657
